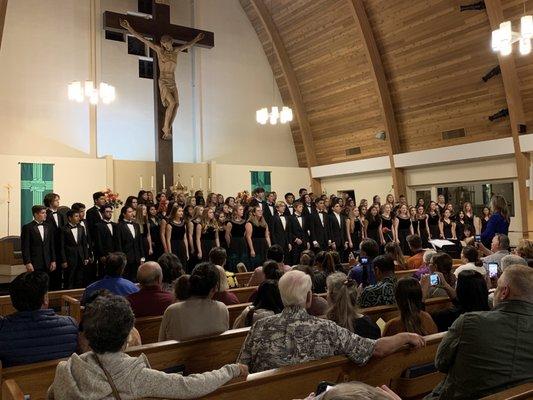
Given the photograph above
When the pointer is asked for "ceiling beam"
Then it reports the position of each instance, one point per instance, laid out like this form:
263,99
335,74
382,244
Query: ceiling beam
3,11
516,111
379,78
292,84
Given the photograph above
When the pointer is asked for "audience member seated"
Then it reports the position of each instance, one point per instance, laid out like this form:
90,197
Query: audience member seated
112,280
307,257
181,288
489,351
382,292
34,333
471,294
270,271
356,391
512,259
151,300
412,317
525,250
266,303
417,251
499,248
107,371
219,256
199,315
363,273
275,253
343,309
172,270
394,250
441,264
294,336
319,305
324,266
424,268
134,338
223,294
471,261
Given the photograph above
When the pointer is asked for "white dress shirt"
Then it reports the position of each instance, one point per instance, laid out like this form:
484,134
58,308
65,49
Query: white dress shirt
291,209
321,216
109,226
338,216
131,228
283,221
74,230
40,228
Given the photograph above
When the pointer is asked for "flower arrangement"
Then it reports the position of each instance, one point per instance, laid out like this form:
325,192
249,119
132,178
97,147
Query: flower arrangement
112,198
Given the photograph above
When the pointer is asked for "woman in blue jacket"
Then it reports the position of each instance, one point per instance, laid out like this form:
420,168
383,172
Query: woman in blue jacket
498,222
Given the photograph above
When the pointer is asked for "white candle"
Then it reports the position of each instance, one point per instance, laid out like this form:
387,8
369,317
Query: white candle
192,182
152,182
200,183
164,182
209,183
140,182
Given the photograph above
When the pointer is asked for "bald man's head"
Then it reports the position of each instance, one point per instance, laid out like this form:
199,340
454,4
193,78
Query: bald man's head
150,274
516,283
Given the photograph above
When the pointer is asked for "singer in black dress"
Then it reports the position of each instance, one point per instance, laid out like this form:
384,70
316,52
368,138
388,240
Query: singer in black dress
237,250
177,234
207,234
356,228
155,233
485,218
460,226
447,226
373,224
423,228
433,221
403,227
257,237
387,222
414,220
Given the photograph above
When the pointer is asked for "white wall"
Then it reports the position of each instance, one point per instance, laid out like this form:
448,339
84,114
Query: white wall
75,179
365,185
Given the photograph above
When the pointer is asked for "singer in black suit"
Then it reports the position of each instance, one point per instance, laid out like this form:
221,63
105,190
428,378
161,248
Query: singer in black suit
93,214
128,240
338,230
74,255
56,221
309,207
281,228
37,243
289,201
298,233
319,227
104,239
269,210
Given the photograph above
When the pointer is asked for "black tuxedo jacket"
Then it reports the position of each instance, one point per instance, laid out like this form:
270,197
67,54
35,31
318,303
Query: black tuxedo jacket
280,235
93,217
90,239
72,252
104,241
288,211
337,233
319,232
35,250
306,211
126,243
50,220
269,215
297,231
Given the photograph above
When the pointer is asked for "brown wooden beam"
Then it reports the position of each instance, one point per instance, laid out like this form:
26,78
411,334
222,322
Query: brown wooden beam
3,11
516,111
379,77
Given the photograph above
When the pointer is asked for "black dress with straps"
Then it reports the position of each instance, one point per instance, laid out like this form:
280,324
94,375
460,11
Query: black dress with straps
237,249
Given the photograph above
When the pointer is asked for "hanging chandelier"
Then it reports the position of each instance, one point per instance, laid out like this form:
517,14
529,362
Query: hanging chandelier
78,92
262,116
503,38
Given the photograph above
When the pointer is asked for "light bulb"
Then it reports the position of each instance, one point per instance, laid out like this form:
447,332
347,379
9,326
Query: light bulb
89,88
261,116
506,31
526,26
94,98
496,40
525,46
506,48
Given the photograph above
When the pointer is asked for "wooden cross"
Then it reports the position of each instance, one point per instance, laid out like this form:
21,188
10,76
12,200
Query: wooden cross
155,28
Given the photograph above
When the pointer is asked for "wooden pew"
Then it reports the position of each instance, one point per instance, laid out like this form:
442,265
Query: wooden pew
243,293
243,278
524,391
391,311
199,355
299,380
54,300
11,391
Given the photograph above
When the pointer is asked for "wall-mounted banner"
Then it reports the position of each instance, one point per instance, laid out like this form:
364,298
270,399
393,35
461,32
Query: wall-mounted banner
261,179
36,181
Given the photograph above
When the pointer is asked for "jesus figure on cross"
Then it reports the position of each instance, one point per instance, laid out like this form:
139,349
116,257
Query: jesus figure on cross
167,58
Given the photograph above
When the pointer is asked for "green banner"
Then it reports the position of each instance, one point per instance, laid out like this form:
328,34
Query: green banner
261,179
36,181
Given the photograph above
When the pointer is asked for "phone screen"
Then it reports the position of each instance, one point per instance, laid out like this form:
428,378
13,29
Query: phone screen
434,279
364,260
478,238
493,270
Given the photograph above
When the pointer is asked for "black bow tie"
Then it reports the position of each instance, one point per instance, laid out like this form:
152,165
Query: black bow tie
108,222
129,222
74,227
54,212
39,223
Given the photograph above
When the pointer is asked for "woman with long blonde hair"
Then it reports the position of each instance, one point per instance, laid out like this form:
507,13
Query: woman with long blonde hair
141,217
257,237
176,234
207,233
343,310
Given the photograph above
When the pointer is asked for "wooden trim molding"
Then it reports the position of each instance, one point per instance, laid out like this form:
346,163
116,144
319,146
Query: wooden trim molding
516,111
379,77
3,11
292,84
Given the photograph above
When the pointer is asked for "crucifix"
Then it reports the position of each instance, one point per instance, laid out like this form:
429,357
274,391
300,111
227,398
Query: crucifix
163,36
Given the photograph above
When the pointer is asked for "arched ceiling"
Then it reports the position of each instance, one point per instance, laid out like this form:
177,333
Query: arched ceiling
433,58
